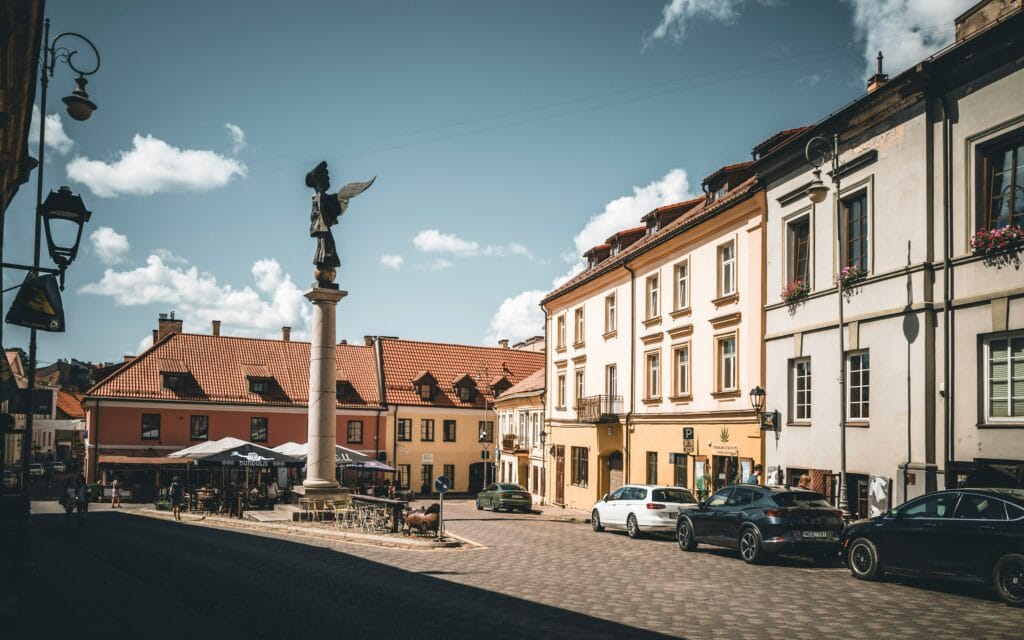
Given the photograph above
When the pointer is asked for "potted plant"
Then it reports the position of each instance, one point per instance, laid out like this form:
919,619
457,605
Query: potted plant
848,276
1000,247
795,291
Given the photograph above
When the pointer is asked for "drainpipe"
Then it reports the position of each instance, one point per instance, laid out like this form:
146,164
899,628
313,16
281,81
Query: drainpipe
544,404
94,459
632,362
949,436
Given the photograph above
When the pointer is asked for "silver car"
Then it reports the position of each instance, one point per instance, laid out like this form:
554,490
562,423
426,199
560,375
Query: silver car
639,508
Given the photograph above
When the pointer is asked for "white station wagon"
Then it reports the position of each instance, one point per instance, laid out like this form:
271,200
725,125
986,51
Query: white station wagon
641,507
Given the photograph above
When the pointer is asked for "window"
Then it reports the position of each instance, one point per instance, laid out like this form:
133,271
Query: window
653,299
682,271
727,364
404,429
578,336
560,322
427,430
679,468
561,390
938,505
1003,166
580,466
720,498
720,192
1005,373
172,381
426,391
259,385
977,507
611,380
681,355
449,431
800,390
521,436
465,393
199,428
654,375
855,212
535,428
404,471
799,232
609,314
448,471
726,269
258,429
151,426
580,391
355,431
486,430
858,375
652,467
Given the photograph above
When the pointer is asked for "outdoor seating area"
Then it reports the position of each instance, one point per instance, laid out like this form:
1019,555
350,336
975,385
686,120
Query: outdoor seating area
363,514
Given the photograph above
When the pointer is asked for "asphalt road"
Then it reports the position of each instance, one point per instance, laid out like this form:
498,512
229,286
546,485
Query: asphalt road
125,576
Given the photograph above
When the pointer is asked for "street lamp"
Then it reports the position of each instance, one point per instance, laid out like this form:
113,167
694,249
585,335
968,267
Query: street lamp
543,466
818,151
64,215
757,399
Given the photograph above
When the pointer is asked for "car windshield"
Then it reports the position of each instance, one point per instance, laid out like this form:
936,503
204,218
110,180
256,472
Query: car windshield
672,495
800,499
510,487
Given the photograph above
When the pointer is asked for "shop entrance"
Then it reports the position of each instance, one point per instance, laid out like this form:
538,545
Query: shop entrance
724,471
559,474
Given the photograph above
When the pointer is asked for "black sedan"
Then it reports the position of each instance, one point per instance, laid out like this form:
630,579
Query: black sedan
759,520
963,534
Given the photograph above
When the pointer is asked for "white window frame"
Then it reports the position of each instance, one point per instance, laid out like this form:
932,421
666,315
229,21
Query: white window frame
795,377
653,296
987,380
681,369
723,359
580,385
579,328
609,313
789,272
611,380
849,387
727,269
561,390
682,282
560,330
652,371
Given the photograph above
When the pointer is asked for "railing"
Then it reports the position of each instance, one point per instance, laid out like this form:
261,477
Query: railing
599,409
512,443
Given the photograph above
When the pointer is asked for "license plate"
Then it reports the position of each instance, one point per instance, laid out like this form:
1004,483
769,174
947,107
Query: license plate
814,534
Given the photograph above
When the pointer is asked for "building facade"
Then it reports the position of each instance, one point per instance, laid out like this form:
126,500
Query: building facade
521,456
927,160
653,349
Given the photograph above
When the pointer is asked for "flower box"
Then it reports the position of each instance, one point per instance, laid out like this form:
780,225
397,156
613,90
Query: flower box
1000,247
848,276
795,291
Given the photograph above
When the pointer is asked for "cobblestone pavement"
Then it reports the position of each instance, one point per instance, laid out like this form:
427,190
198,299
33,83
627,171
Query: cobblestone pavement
532,576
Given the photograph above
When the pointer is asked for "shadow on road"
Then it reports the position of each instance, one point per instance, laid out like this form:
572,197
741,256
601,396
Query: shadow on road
162,578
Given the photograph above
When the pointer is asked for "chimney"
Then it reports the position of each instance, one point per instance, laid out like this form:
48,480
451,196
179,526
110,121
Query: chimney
503,343
286,333
879,78
166,325
343,342
984,15
368,341
155,334
216,327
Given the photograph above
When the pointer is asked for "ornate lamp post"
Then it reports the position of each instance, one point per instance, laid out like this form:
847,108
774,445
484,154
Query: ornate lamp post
543,466
818,151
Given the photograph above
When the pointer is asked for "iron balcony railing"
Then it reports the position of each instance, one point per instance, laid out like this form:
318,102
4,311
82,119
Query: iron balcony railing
599,409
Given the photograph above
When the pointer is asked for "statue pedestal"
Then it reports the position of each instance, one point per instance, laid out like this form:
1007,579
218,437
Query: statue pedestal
322,428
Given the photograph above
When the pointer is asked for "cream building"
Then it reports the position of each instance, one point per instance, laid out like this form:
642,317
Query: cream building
653,349
927,159
521,436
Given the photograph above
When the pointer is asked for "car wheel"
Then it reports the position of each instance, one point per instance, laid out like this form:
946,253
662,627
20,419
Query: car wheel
1008,579
684,536
595,521
750,545
632,529
862,558
494,506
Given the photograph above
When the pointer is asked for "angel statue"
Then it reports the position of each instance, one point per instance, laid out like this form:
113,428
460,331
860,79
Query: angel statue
327,209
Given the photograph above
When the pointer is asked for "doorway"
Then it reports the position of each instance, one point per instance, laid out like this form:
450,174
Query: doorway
614,470
559,474
724,471
426,479
477,471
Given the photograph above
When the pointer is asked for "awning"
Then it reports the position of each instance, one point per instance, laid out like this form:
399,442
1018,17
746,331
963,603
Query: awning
372,465
207,448
343,456
151,461
249,456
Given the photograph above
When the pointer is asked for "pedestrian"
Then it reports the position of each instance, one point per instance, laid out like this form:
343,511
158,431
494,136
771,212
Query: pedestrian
805,482
81,499
115,494
755,476
175,494
273,492
67,499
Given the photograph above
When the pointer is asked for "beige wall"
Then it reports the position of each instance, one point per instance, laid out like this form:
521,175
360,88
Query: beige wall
462,453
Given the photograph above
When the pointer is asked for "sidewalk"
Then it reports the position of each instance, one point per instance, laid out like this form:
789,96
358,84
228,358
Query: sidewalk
563,514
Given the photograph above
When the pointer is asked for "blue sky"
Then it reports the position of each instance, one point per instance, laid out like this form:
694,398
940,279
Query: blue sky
505,138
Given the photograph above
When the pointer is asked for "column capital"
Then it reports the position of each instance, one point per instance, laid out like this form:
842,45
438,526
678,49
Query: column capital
321,294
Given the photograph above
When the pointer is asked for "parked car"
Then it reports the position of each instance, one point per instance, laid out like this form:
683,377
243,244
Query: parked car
759,520
964,534
501,495
641,507
36,469
58,467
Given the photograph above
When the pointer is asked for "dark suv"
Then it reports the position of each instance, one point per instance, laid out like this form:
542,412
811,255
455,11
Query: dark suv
759,520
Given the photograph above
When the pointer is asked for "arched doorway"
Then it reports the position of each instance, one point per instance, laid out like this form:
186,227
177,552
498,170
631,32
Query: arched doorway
614,471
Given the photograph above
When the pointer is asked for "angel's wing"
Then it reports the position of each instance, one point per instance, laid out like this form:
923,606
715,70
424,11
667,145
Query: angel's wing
353,189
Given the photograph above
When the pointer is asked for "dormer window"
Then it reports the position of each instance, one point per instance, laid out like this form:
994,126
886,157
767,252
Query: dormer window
342,389
174,372
465,387
259,376
259,385
173,381
720,192
425,384
426,391
465,394
500,385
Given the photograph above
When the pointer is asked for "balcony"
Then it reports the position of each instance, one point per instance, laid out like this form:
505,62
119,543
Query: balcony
511,443
599,409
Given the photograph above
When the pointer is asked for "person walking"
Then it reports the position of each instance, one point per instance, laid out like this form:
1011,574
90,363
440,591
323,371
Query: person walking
81,499
67,500
175,494
755,475
115,494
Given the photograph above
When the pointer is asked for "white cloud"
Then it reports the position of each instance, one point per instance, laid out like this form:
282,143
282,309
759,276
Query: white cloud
56,138
677,13
237,137
392,261
905,31
258,311
812,79
518,318
168,256
433,241
144,344
438,264
152,166
111,247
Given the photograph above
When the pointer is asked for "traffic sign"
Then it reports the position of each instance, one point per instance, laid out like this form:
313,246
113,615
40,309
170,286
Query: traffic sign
687,433
442,484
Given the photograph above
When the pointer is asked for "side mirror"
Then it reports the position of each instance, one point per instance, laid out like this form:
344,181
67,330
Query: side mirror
604,498
703,504
893,513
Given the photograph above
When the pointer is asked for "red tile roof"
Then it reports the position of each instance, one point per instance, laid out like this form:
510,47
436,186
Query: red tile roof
219,366
691,217
405,360
71,404
531,383
762,148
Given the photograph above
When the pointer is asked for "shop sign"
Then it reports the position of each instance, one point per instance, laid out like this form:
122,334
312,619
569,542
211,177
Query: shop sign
725,449
427,458
688,446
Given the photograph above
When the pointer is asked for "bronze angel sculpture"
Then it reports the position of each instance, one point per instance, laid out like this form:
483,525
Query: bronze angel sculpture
327,209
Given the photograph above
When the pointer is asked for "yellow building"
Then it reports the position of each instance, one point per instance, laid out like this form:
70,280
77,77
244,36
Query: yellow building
440,408
521,436
654,348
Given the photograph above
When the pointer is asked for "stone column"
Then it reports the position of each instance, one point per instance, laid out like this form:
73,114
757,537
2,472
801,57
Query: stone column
322,428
